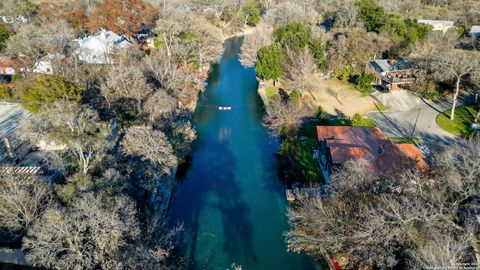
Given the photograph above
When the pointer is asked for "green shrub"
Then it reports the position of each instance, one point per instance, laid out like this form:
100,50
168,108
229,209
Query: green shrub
294,96
6,93
294,36
318,51
47,89
406,31
359,121
271,92
364,82
372,15
251,10
345,73
319,113
4,35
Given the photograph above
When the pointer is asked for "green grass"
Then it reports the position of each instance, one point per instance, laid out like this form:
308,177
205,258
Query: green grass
363,122
464,117
380,107
308,164
405,140
271,92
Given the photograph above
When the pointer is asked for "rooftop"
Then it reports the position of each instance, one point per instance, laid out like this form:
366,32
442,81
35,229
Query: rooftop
443,22
352,143
387,65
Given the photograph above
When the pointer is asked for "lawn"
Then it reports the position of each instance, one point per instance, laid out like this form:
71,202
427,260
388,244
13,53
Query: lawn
308,164
460,126
405,140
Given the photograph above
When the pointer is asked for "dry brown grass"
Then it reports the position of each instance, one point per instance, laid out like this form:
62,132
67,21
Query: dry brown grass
336,96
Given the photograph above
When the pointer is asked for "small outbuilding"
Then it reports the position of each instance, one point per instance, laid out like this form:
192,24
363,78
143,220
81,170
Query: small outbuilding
439,25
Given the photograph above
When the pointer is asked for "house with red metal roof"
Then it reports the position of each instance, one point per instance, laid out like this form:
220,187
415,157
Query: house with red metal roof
339,144
8,68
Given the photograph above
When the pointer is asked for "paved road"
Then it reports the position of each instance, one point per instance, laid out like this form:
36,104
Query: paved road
401,123
11,116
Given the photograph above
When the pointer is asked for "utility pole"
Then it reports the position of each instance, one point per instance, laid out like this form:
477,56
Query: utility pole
415,125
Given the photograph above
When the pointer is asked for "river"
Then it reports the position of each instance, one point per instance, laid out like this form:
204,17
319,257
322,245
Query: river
230,199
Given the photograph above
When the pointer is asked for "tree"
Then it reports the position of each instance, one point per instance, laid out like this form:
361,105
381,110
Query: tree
124,84
355,47
299,68
399,217
365,81
285,118
152,146
4,35
123,16
294,36
90,234
23,199
75,132
372,15
455,65
269,65
47,89
261,37
36,39
159,104
17,8
251,13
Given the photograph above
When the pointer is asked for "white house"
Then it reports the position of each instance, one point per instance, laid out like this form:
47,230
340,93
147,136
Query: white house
99,49
475,31
439,25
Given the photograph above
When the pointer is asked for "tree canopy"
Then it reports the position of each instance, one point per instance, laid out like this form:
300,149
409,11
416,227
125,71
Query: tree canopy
123,16
47,89
269,65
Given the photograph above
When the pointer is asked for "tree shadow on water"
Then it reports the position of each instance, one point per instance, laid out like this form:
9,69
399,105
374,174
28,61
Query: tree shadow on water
211,196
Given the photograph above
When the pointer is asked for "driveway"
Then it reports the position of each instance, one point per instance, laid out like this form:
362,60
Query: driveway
11,116
416,116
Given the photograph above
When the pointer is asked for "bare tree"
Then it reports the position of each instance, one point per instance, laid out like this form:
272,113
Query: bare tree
73,130
150,145
159,103
37,39
261,37
455,65
126,82
381,219
88,235
285,117
355,47
23,199
300,68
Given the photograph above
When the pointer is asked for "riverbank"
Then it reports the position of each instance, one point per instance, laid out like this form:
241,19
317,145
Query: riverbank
230,200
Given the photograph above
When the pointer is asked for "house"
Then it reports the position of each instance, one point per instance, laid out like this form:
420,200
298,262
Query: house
43,67
339,144
8,68
45,64
439,25
475,32
100,48
391,74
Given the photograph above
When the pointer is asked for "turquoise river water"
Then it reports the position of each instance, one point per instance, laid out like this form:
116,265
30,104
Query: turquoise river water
231,202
